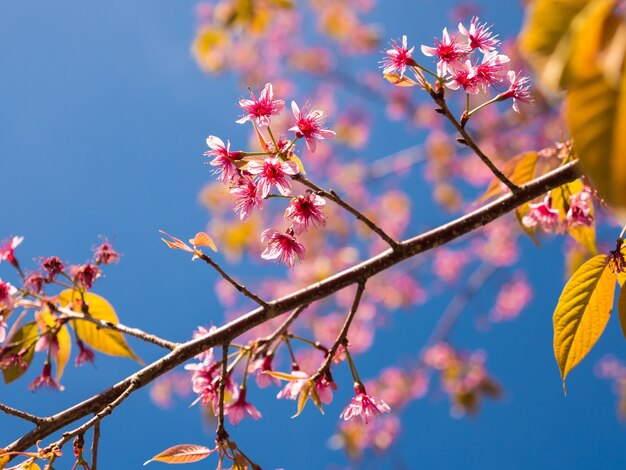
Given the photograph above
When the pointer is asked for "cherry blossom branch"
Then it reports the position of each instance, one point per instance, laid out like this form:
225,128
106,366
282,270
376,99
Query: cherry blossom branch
342,337
353,275
94,446
20,414
333,196
267,342
221,433
107,325
467,140
234,283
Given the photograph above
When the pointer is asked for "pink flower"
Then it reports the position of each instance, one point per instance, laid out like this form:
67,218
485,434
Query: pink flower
260,110
105,254
248,197
518,90
260,366
3,329
579,213
305,210
272,172
281,246
7,291
450,52
511,300
223,159
7,250
310,125
293,387
201,332
363,406
237,410
85,354
205,381
398,58
492,70
479,36
45,380
464,76
543,215
52,266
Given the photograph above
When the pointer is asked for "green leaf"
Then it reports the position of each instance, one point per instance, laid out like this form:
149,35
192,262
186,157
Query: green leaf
24,338
184,453
106,341
582,312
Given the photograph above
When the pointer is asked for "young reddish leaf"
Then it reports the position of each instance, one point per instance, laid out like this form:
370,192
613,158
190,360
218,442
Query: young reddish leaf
582,312
621,309
24,338
176,243
109,342
184,453
202,239
395,79
64,340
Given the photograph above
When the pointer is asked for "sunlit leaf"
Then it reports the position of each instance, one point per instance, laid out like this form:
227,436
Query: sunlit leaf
202,239
519,169
109,342
4,459
282,375
24,339
621,310
395,79
184,453
64,340
582,312
296,159
303,397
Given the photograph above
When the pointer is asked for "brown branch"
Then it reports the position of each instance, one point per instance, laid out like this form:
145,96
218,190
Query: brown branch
107,325
234,283
333,196
467,140
21,414
221,433
316,291
342,337
94,446
267,342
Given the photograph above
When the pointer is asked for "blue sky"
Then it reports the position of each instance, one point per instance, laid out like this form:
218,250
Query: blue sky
104,120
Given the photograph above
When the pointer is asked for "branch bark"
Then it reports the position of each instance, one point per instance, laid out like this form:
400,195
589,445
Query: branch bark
358,273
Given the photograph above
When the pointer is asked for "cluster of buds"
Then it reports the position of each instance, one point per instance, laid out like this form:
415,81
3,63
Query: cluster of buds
467,60
253,176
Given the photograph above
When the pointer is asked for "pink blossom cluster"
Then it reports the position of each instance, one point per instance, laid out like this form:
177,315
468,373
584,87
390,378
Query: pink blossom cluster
611,368
548,218
513,297
252,176
467,60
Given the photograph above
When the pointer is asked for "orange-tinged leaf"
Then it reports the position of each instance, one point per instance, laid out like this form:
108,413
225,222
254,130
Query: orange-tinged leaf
316,399
184,453
281,375
176,243
202,239
395,79
4,459
520,169
24,338
582,312
296,159
303,397
106,341
621,310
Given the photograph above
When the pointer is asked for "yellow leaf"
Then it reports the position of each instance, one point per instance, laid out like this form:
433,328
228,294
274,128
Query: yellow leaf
4,459
395,79
282,375
621,310
596,115
296,159
64,340
184,453
519,169
582,312
109,342
303,397
23,339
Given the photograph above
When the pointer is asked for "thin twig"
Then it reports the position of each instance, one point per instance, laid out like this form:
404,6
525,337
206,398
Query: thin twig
342,337
333,196
467,140
107,410
234,283
267,342
221,433
319,290
21,414
107,325
94,446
